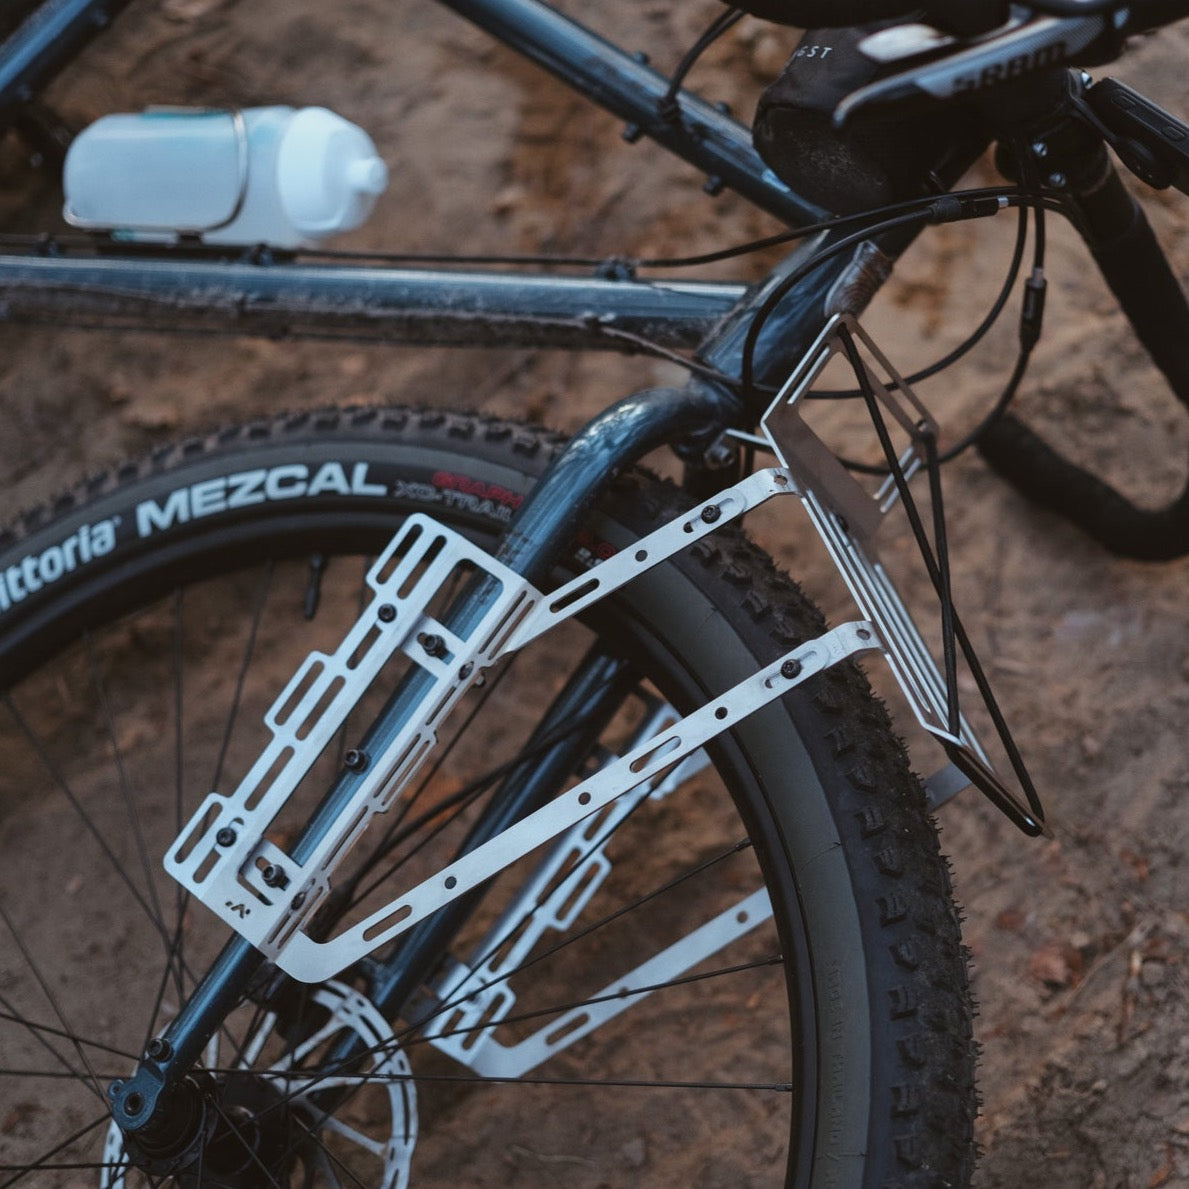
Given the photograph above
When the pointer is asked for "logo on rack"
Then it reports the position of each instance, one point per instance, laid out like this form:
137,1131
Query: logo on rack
31,573
226,493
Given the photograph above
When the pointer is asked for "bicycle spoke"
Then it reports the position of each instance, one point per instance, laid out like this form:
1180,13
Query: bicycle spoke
39,1032
262,592
88,822
42,1162
54,1007
329,1156
249,1149
125,787
13,1018
181,895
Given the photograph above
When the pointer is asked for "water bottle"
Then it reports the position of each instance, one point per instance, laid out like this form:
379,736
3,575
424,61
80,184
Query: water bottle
267,175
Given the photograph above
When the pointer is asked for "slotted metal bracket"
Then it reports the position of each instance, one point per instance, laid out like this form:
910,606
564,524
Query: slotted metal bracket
222,856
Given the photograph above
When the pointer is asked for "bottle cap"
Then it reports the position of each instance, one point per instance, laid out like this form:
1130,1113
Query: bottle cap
328,173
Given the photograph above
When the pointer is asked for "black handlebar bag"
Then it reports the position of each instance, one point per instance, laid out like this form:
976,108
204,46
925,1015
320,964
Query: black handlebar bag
884,158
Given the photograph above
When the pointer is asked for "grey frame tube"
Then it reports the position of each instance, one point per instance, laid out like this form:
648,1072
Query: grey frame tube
412,306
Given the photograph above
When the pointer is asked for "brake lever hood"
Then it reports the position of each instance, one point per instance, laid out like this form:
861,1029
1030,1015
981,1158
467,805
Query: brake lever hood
1021,47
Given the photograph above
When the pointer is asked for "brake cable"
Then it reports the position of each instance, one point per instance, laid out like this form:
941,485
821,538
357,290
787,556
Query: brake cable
668,105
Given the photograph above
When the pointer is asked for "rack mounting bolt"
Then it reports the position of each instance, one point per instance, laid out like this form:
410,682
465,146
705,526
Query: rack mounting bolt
273,876
159,1049
433,644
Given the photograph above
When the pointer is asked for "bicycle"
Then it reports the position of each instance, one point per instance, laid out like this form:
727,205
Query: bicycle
223,501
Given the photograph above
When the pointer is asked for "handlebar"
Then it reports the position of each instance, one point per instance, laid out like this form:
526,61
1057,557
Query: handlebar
991,44
964,18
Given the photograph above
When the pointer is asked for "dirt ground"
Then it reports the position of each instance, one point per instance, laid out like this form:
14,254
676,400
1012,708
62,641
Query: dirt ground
1079,942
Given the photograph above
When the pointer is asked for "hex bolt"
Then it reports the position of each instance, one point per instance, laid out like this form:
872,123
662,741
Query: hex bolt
226,837
159,1049
274,876
790,669
433,644
711,513
466,671
386,613
355,760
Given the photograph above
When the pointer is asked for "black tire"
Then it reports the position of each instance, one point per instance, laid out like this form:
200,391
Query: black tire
856,1043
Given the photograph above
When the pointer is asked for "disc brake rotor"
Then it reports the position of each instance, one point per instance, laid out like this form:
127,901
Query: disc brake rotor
371,1135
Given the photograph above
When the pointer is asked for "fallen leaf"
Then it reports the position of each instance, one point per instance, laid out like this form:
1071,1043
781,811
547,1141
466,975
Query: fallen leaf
1138,863
1056,965
1161,1175
1010,920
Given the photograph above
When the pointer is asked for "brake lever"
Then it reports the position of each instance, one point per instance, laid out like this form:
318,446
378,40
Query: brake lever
1020,47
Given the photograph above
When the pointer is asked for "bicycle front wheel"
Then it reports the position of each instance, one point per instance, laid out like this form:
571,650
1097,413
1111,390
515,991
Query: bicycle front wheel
747,972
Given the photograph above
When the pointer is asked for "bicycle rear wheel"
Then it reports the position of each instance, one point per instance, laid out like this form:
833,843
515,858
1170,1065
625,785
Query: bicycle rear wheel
749,973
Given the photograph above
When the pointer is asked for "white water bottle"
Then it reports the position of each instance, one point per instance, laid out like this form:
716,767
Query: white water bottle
266,175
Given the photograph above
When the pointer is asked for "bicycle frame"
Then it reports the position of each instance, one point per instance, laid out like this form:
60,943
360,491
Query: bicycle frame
270,296
430,307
